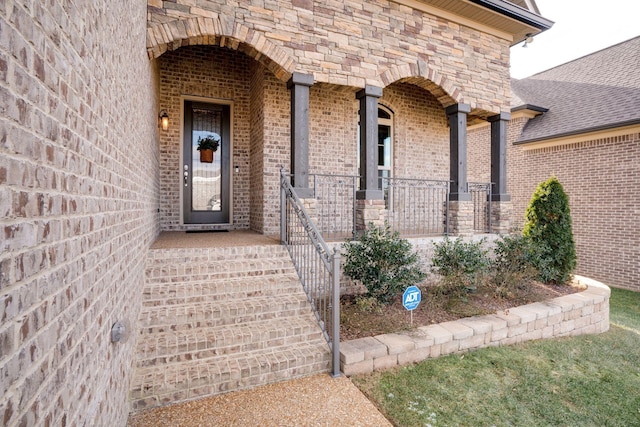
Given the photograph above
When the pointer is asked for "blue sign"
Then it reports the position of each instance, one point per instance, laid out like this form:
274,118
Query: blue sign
411,298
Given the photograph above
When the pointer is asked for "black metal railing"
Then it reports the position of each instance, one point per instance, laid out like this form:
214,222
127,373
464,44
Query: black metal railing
317,266
335,204
416,207
481,196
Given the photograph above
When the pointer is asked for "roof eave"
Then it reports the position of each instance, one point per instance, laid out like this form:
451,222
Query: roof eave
529,107
608,126
516,12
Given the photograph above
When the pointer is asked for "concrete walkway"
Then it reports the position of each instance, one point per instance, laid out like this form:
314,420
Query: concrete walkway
318,400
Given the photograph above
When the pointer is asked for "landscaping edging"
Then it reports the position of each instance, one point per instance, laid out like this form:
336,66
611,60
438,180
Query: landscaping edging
582,313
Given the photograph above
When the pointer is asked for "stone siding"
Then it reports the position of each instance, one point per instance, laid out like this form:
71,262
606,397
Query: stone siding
586,312
78,206
349,44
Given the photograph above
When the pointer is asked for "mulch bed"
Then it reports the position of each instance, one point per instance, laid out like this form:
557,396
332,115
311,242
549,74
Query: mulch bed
358,323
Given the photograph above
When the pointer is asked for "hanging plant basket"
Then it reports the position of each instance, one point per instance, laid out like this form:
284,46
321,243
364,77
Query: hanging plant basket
206,156
207,146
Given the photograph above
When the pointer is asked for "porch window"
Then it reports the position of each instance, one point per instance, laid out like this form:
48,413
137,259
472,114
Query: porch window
385,147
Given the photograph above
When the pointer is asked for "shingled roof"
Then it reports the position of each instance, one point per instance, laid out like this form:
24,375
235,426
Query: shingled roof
598,91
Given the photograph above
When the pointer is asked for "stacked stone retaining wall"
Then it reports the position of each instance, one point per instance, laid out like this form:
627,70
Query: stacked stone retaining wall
586,312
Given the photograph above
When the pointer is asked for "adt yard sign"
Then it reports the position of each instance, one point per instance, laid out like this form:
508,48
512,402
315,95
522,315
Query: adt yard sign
411,298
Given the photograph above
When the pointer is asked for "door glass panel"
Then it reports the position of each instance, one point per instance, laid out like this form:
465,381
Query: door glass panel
206,178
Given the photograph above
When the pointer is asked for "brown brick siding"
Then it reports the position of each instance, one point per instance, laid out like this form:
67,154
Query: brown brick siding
602,180
421,133
479,154
215,74
256,152
78,201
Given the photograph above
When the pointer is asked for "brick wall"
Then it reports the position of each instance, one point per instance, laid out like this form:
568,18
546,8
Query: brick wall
78,200
277,149
256,152
479,154
602,180
215,74
421,132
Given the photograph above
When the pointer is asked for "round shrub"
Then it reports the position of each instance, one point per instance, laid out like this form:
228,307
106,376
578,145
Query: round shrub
383,262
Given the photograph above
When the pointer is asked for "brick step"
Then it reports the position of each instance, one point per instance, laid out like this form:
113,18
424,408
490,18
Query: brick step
190,272
206,255
218,313
233,288
179,346
172,383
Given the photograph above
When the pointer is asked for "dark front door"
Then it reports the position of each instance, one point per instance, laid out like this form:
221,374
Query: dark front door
206,185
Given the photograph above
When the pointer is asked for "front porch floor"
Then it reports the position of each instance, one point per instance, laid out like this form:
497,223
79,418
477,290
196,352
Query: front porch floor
211,239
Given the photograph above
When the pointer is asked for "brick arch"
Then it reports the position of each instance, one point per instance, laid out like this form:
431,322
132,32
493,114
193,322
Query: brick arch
421,75
220,31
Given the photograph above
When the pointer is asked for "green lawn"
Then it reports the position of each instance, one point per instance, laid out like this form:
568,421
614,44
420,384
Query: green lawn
591,380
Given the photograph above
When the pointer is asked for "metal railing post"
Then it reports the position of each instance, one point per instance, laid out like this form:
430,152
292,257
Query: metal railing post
336,313
283,210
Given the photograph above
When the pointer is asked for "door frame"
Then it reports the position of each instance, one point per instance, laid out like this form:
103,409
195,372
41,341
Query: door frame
218,101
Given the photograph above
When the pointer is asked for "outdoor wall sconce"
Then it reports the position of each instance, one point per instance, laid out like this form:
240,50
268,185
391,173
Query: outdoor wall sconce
163,118
528,40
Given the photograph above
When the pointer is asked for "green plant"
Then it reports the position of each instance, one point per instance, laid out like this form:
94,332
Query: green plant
383,262
513,264
548,224
460,264
208,143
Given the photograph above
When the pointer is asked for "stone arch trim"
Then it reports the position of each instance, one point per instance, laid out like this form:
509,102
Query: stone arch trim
220,31
420,74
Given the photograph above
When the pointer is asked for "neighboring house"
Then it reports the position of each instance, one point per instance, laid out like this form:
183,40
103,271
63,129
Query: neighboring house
580,121
89,179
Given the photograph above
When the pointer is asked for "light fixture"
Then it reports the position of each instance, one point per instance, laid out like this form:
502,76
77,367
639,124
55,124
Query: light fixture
528,40
237,168
163,118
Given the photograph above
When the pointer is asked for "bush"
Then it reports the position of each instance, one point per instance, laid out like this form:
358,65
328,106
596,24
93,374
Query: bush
548,225
383,262
513,264
461,264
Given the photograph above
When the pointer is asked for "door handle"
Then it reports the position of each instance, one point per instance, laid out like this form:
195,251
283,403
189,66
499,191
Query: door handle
186,178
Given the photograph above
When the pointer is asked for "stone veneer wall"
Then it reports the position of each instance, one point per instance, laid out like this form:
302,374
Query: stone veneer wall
586,312
78,206
349,44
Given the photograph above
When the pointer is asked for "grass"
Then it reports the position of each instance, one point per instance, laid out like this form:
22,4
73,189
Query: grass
584,381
